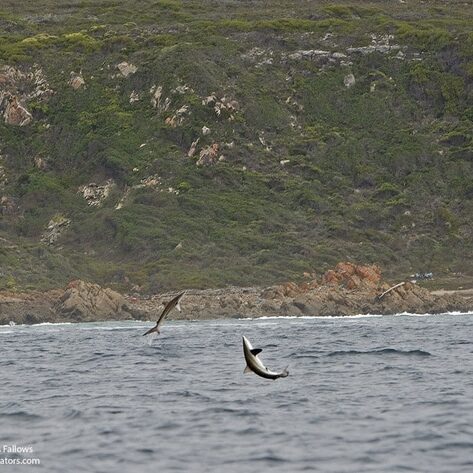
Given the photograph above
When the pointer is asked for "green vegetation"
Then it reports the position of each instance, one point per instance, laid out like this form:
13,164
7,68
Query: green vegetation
312,171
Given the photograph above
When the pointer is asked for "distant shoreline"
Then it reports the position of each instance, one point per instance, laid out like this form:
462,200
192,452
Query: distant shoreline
347,290
91,303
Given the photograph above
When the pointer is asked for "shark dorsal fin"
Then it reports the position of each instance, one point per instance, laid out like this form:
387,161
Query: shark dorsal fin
255,351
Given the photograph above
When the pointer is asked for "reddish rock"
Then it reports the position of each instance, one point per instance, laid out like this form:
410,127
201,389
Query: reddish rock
84,301
15,113
352,276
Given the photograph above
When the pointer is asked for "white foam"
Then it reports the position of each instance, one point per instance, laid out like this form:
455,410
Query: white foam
42,324
356,316
311,317
49,323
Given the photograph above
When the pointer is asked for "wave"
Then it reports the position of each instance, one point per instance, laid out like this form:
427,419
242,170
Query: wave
20,415
139,323
355,316
38,325
310,317
112,328
381,351
439,314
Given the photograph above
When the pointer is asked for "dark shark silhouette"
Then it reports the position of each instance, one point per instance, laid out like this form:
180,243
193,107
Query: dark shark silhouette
169,306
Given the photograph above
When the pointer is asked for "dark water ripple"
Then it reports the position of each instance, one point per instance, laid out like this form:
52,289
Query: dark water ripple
390,394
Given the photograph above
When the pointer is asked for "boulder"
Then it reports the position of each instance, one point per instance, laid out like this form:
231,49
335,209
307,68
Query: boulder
9,205
56,227
349,80
95,194
156,92
15,113
126,68
193,148
17,88
134,96
178,118
208,155
352,276
76,81
84,301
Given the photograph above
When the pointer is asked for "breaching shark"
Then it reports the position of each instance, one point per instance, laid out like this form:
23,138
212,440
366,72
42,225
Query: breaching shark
254,364
169,306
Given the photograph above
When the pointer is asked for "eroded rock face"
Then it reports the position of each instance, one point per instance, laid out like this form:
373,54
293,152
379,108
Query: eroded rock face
126,68
193,148
17,87
15,113
95,194
349,81
134,97
76,81
223,107
55,229
84,301
27,308
178,118
156,92
9,205
352,276
208,155
348,289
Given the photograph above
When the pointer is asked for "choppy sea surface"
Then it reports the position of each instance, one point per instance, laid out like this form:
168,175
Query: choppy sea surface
364,394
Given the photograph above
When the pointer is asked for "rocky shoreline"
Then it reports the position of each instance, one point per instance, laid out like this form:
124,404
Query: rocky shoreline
348,289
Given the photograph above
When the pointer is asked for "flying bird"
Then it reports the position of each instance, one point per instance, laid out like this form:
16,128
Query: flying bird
254,364
169,306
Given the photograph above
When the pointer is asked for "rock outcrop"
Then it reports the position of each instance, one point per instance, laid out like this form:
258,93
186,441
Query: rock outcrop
84,302
9,205
17,87
349,80
126,68
348,289
95,194
76,81
28,308
352,276
56,227
178,118
15,113
208,155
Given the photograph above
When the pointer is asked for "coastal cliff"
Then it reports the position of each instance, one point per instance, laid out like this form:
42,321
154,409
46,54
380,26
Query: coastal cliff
231,144
348,289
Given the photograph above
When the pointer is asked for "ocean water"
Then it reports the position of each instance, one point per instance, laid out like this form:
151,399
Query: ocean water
364,394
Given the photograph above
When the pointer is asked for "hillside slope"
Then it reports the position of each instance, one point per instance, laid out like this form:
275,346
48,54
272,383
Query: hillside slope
162,143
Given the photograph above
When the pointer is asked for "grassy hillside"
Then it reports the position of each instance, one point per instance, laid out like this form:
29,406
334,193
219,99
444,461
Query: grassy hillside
332,131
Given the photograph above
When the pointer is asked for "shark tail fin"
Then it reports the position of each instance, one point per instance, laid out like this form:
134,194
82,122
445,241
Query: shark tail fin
151,330
285,372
